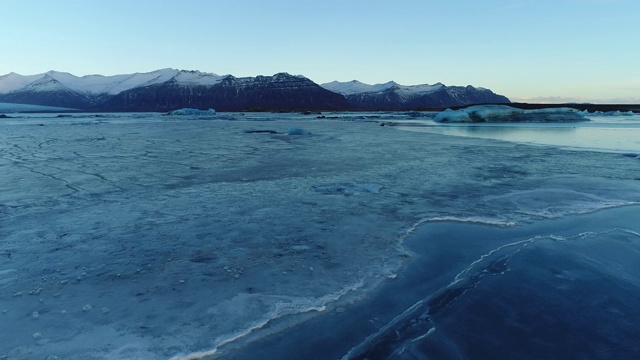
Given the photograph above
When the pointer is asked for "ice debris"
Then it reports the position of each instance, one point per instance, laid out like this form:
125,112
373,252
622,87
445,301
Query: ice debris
503,113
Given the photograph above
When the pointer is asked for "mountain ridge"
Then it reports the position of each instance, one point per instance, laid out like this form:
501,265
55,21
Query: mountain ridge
393,96
168,89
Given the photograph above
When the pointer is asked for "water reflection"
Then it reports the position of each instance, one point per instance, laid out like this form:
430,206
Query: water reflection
593,135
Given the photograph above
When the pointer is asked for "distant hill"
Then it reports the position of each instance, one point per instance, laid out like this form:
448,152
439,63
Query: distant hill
168,89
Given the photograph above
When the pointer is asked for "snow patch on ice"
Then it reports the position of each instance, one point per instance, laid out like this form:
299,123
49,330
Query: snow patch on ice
475,220
550,203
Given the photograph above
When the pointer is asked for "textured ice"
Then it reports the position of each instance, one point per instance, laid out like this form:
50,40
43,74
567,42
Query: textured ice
146,236
348,188
504,113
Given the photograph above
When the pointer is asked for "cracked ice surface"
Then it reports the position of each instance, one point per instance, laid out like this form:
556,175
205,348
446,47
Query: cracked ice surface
142,236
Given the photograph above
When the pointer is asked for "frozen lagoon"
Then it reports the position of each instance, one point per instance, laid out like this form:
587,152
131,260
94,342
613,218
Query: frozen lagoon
139,236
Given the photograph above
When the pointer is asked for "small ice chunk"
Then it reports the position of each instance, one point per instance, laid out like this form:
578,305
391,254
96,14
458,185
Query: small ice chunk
87,308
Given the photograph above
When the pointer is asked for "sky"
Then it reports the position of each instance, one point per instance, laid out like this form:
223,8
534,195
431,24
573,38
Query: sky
527,50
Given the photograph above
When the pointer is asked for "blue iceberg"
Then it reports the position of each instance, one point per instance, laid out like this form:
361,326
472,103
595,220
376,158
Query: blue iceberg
503,113
193,112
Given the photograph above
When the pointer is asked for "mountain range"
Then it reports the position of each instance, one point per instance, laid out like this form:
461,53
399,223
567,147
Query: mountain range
168,89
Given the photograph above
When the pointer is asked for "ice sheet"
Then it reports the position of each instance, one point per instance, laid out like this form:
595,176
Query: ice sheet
142,236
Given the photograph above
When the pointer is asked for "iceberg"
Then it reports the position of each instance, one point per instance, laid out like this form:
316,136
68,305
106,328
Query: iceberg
191,111
503,113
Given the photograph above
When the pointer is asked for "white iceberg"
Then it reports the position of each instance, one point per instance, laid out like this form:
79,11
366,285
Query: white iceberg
191,111
503,113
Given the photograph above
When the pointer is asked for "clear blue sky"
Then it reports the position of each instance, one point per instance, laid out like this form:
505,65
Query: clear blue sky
524,49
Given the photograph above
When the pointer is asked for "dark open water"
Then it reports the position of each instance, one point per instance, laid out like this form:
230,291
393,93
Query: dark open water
557,289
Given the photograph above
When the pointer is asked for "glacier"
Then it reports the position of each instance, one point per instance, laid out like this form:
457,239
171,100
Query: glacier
141,236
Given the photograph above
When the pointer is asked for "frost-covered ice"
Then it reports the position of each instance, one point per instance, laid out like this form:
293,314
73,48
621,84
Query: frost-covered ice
504,113
140,236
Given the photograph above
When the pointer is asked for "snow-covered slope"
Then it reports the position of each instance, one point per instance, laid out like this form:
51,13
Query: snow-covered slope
357,87
12,82
111,85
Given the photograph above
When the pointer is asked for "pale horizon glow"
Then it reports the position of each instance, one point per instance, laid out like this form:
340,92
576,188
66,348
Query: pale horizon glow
536,51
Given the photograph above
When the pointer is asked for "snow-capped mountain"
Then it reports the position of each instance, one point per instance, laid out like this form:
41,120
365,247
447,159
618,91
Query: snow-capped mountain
392,95
278,92
43,90
89,84
168,89
357,87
